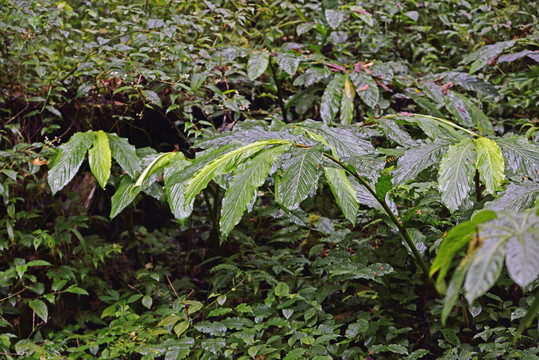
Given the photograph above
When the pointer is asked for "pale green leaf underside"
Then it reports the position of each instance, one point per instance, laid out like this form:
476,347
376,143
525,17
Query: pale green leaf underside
222,165
415,160
125,154
489,162
516,197
68,160
257,64
331,99
344,193
456,173
100,158
243,187
155,166
299,177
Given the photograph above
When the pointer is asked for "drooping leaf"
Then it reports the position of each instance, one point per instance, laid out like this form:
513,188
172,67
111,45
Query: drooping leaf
243,187
344,193
433,127
68,160
456,173
394,132
453,290
346,140
154,168
367,165
125,154
289,62
124,195
331,99
467,112
299,177
417,159
334,17
347,102
40,308
489,162
482,56
471,83
175,192
516,197
222,165
153,97
521,157
366,88
100,158
257,64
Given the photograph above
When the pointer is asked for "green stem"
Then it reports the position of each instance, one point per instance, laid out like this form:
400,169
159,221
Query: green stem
443,121
393,218
528,318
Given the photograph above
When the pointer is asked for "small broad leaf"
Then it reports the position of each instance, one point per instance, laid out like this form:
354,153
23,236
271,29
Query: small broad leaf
222,165
197,80
456,174
181,327
331,99
147,301
289,62
100,158
68,160
243,187
521,157
152,97
155,167
169,320
40,308
175,192
334,17
489,162
366,88
344,193
124,195
294,354
415,160
299,177
516,197
257,64
125,154
347,102
282,289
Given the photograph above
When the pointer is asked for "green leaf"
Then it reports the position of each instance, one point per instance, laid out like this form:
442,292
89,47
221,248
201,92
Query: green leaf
415,160
100,158
471,83
224,164
73,289
335,18
294,354
68,160
521,157
181,327
152,97
281,289
482,56
197,80
169,320
467,112
299,177
257,64
489,162
347,102
124,195
177,353
40,308
366,88
125,154
175,192
289,62
154,168
243,187
454,288
394,132
211,328
456,174
331,99
434,128
344,193
516,197
147,301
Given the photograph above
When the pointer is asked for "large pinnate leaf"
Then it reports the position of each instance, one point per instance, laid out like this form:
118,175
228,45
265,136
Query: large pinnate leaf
521,157
347,102
366,88
456,173
415,160
344,193
257,64
299,177
489,162
516,197
482,56
513,236
175,192
124,195
224,164
243,187
100,158
331,99
68,160
289,62
125,154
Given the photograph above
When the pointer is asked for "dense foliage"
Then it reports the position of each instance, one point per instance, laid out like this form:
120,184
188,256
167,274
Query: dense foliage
269,180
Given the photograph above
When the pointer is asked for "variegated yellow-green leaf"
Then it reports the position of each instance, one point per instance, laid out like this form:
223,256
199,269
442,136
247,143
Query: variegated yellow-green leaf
490,164
100,158
347,102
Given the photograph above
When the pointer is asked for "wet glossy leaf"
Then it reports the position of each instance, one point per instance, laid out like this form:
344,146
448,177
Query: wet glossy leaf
366,88
124,195
175,192
155,167
489,162
289,62
257,64
481,57
456,174
124,153
331,99
347,102
68,160
344,193
335,17
100,158
471,82
520,156
152,97
415,160
40,308
516,197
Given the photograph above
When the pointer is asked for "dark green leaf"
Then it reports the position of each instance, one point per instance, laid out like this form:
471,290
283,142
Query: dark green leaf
40,308
68,160
521,157
481,57
294,354
394,132
471,83
331,99
344,193
124,195
100,158
516,197
467,112
125,154
366,88
453,291
289,62
152,97
415,160
197,80
175,192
